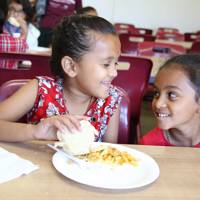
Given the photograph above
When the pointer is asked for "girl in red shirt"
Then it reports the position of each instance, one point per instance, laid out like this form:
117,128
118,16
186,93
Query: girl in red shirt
176,103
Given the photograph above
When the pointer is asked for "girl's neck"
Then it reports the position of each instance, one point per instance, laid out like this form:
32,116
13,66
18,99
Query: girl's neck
77,103
187,138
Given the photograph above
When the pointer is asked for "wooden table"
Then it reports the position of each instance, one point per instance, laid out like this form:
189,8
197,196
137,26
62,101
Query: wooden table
179,177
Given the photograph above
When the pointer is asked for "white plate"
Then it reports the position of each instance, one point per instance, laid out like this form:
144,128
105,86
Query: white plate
120,177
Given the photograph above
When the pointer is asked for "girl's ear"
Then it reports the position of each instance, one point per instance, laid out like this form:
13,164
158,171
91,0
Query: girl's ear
69,66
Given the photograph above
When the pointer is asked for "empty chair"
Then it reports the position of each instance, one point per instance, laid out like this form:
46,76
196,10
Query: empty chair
190,37
125,119
168,30
145,31
173,36
40,66
129,44
133,77
130,37
125,28
195,48
8,88
141,37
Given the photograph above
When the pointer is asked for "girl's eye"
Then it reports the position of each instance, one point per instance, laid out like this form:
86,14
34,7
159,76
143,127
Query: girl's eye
172,96
116,64
106,65
156,94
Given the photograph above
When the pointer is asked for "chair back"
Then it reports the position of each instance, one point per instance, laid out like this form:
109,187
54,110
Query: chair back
145,31
168,30
125,119
191,37
10,87
129,44
195,48
125,28
170,36
39,66
133,77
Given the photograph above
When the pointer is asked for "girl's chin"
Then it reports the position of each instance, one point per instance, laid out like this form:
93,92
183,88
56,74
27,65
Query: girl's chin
163,126
103,95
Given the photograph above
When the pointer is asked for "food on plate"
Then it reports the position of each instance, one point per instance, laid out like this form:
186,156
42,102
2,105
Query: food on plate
109,155
13,21
78,142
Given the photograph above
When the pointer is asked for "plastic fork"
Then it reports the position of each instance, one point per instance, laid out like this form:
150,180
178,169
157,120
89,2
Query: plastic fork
79,162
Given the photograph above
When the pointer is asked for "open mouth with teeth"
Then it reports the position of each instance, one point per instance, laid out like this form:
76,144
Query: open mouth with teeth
161,115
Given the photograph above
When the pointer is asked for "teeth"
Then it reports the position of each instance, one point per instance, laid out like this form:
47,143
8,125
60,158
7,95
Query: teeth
162,115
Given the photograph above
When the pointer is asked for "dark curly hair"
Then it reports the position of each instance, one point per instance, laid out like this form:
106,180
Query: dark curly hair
190,65
72,38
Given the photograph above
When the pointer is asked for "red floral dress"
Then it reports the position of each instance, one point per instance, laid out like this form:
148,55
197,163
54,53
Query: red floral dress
50,101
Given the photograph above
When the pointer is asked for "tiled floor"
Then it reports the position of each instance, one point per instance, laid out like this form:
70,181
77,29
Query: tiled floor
147,118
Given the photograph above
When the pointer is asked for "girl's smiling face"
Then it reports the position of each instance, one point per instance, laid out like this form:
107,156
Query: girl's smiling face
174,102
98,67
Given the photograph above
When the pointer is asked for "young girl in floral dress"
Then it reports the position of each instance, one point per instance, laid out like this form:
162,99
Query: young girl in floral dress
85,51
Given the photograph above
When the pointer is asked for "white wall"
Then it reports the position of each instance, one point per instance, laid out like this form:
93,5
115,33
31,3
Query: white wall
183,14
105,8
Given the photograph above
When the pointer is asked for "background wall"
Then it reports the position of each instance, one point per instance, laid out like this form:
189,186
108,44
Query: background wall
183,14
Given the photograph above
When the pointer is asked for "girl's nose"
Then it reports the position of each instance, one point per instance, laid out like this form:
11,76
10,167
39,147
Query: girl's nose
159,102
113,71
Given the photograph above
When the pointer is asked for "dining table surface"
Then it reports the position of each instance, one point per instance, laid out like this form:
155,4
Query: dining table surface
179,177
186,44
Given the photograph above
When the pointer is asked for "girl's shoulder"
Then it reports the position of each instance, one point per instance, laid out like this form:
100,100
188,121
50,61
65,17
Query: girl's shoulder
116,91
49,85
154,137
47,81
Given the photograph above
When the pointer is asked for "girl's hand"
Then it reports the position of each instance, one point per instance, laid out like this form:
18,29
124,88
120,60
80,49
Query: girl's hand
48,127
23,25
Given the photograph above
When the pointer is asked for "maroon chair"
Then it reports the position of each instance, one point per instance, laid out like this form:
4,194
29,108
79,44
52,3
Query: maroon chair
146,37
133,77
145,31
125,28
174,36
195,48
40,66
125,119
10,87
168,30
191,37
128,45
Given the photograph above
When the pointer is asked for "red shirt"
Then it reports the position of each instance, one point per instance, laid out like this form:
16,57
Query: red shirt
156,137
50,101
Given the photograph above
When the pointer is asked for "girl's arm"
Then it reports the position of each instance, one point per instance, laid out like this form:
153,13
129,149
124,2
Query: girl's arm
12,109
18,105
113,127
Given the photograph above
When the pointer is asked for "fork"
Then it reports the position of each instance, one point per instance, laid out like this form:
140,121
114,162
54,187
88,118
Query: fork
79,162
